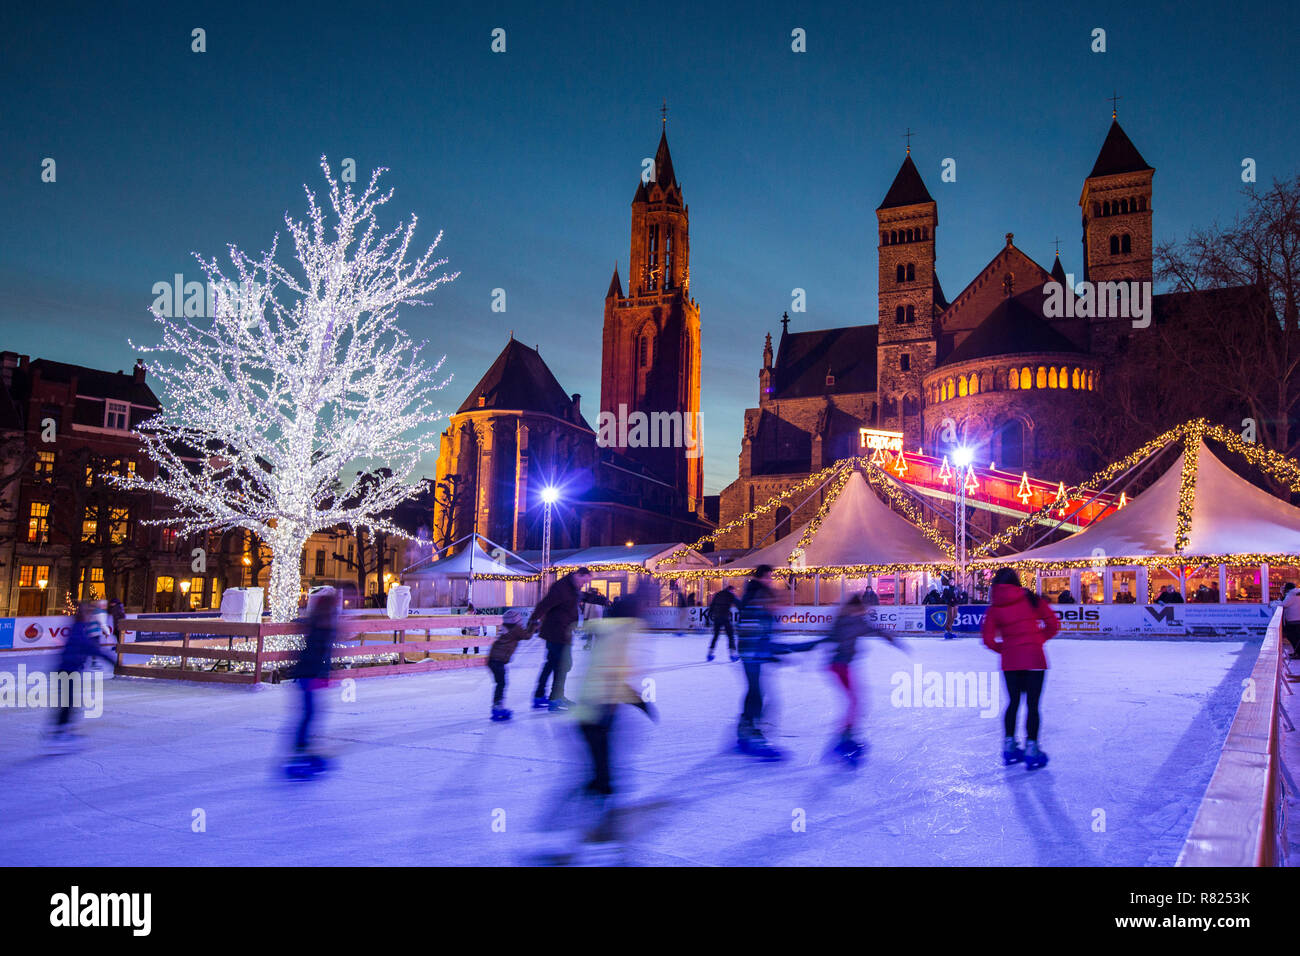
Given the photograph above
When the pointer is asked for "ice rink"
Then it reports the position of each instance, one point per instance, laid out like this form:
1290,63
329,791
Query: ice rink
422,777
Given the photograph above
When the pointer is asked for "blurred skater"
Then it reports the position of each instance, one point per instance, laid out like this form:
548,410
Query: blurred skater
757,620
312,671
1016,626
515,624
850,624
83,645
557,614
720,614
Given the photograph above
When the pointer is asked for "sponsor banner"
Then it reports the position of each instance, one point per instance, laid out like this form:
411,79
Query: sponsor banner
37,632
906,617
6,633
800,618
970,618
1228,618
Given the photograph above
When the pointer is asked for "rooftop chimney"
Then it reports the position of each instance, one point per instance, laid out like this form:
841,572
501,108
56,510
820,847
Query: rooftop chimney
137,373
577,407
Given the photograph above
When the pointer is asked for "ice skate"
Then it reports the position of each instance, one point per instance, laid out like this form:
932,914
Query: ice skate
849,750
63,742
1034,758
1011,752
501,713
541,702
750,740
306,766
559,704
709,658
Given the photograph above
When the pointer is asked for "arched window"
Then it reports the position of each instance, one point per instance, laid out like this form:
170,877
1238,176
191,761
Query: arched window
1051,378
911,271
1011,444
1074,378
974,383
643,350
1114,245
925,232
961,386
884,238
782,522
898,315
911,314
1142,203
893,237
1105,208
910,236
1092,381
1041,379
1024,378
1063,378
899,274
1126,243
1013,379
1123,205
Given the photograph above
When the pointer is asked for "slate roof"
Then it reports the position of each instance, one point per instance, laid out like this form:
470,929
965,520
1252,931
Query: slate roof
908,189
97,383
804,358
1015,327
1118,154
520,381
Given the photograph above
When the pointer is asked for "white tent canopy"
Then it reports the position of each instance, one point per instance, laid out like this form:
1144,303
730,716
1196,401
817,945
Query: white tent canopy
458,566
858,529
1229,515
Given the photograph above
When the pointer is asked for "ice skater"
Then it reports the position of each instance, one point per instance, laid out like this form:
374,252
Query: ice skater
515,623
850,624
720,614
557,614
757,620
1016,626
83,645
312,671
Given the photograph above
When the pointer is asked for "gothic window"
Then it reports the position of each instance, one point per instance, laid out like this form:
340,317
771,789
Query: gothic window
898,315
1008,283
652,257
911,314
1013,379
669,250
1126,243
1024,378
782,518
899,274
911,271
905,362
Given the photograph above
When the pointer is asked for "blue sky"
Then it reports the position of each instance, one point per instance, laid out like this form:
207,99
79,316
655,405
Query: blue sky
528,160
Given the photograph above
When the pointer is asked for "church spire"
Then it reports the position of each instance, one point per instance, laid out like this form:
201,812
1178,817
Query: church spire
615,286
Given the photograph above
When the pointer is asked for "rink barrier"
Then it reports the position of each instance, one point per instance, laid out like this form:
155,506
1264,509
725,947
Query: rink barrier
1241,820
199,639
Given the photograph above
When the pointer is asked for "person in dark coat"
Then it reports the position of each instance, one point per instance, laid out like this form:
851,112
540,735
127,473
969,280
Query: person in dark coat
312,669
870,597
1065,597
720,614
117,614
515,629
556,616
83,644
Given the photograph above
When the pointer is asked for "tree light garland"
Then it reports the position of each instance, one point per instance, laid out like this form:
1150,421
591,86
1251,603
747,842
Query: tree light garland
280,395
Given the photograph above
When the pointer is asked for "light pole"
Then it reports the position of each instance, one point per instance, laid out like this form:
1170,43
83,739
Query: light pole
550,495
961,457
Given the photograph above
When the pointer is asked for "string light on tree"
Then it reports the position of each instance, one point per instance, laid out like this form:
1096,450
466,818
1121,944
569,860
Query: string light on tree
298,384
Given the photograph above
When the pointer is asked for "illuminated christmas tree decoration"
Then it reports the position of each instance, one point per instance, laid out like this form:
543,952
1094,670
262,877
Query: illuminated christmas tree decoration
1024,492
971,485
300,405
900,464
1123,500
878,456
945,472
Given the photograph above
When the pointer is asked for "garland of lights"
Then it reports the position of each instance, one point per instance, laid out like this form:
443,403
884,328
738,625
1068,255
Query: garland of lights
762,509
1275,464
1144,560
814,526
299,376
1192,436
880,481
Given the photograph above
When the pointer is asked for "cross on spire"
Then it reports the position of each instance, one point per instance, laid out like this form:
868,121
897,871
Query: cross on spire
664,111
908,136
785,322
1058,247
1114,107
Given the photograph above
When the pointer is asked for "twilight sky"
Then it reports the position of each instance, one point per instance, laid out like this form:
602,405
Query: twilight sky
528,160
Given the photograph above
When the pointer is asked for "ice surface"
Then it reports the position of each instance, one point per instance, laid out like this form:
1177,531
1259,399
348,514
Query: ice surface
421,776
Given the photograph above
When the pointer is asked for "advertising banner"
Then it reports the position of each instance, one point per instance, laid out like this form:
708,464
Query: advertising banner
28,633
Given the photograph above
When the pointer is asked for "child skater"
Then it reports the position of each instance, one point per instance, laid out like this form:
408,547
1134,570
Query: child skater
850,624
1016,626
515,624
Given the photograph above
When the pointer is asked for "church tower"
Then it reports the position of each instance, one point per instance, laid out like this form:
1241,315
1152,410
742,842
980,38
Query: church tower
650,360
908,333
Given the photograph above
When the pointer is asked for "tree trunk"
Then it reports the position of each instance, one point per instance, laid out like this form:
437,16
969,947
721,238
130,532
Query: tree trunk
286,581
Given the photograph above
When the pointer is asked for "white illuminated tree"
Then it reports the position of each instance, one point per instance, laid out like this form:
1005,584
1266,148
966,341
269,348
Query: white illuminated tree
299,405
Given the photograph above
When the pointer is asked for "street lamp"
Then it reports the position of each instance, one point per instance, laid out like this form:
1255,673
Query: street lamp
550,495
961,457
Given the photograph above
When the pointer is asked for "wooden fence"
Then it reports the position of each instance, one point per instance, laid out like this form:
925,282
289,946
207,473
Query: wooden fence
1242,818
203,649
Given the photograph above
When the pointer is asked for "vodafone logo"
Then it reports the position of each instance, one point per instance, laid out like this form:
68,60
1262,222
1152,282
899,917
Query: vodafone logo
33,633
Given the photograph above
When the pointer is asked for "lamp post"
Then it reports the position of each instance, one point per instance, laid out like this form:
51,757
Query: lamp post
185,593
961,457
550,495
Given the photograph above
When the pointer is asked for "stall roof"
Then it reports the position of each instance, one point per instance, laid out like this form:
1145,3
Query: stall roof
457,566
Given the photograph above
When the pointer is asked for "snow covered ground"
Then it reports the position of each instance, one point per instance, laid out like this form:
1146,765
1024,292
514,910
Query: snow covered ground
422,777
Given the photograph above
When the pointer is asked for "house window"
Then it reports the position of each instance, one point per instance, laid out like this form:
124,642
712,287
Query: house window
911,314
905,362
168,539
117,416
196,593
898,315
44,465
96,587
38,523
320,562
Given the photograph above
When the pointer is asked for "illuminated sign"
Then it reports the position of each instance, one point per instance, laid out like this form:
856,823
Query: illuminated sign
874,438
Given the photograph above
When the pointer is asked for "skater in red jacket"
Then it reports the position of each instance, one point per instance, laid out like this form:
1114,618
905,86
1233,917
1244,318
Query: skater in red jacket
1017,625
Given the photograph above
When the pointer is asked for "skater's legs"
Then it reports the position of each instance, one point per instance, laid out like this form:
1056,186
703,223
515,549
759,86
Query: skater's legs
303,736
731,635
753,706
498,669
548,668
1033,690
717,628
845,676
563,664
1015,687
597,735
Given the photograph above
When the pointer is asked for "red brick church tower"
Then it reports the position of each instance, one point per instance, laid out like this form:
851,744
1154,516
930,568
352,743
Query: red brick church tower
650,360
